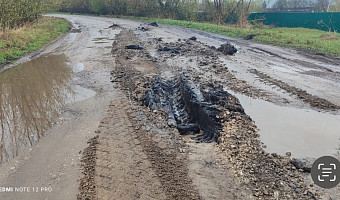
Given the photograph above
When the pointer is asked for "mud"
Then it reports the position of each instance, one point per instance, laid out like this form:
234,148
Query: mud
267,175
185,104
158,146
242,158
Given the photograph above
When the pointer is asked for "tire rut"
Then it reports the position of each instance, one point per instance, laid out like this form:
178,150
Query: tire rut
131,164
312,100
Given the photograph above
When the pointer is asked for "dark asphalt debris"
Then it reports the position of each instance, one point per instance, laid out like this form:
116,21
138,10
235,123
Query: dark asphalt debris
134,47
193,38
227,49
153,24
250,37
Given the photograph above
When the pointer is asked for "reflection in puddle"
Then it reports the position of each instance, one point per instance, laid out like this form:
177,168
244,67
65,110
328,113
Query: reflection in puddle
304,133
31,96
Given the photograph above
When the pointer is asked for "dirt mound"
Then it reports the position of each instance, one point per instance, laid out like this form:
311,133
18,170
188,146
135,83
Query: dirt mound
227,49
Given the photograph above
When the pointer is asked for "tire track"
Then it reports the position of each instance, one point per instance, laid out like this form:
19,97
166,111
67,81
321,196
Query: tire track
131,164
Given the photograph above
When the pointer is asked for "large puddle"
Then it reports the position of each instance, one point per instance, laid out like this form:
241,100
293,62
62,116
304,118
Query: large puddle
304,133
32,95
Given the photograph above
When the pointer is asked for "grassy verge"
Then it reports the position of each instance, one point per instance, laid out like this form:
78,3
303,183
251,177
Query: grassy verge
303,38
16,43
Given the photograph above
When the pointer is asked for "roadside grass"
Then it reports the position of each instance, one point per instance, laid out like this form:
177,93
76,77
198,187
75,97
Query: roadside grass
302,38
17,42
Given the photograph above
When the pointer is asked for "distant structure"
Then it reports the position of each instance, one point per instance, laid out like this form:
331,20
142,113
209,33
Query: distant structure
298,6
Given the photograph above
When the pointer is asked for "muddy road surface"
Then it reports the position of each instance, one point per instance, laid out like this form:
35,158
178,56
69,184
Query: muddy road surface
121,109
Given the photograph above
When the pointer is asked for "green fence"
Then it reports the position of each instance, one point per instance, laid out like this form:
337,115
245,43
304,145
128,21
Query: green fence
322,21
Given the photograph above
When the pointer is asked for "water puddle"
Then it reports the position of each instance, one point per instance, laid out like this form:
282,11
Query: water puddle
32,95
304,133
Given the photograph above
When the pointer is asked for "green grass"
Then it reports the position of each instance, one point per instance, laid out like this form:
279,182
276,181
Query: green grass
302,38
18,42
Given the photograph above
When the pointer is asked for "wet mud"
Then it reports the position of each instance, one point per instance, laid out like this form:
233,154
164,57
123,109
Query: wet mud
186,106
196,105
192,110
135,138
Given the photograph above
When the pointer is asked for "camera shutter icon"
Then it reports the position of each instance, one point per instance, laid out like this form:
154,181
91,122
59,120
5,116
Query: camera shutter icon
326,172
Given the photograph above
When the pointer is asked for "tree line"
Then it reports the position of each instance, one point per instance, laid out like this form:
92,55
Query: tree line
218,11
15,13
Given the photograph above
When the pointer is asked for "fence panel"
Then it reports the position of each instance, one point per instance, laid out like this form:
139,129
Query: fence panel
321,21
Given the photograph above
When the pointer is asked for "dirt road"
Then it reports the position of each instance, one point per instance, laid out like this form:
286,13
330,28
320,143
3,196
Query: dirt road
107,144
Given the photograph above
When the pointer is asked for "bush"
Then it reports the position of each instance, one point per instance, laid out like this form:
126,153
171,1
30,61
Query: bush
15,13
